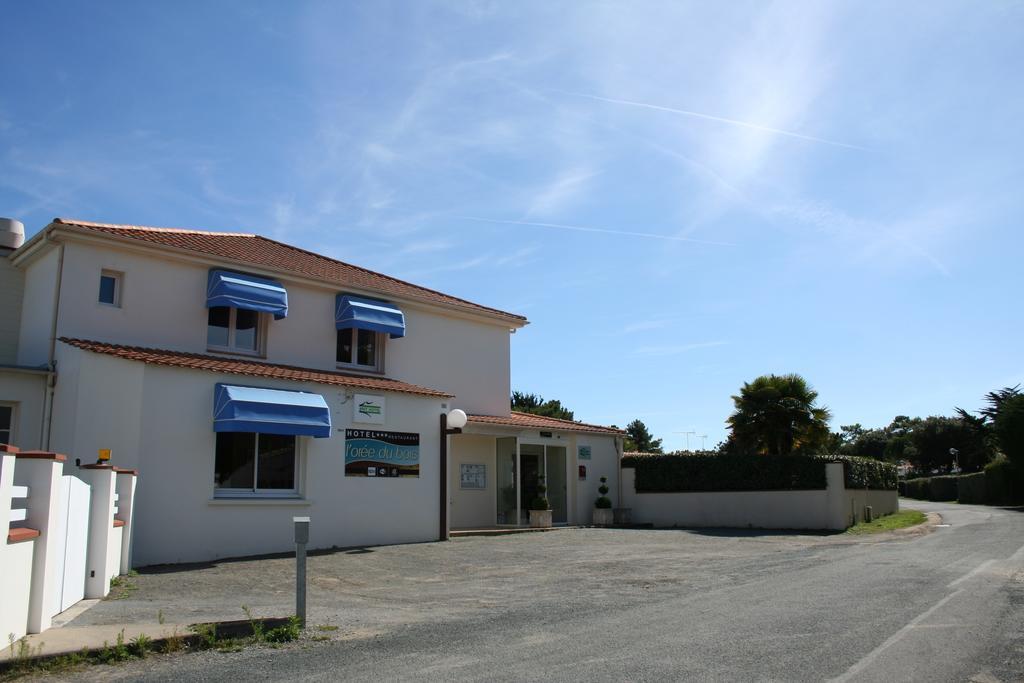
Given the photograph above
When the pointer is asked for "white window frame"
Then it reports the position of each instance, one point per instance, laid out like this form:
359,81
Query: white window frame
261,334
293,493
12,431
118,278
377,367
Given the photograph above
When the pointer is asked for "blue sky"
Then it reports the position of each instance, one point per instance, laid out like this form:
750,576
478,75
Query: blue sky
680,196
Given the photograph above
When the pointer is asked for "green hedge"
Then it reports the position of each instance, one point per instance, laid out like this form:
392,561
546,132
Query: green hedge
970,488
931,488
707,472
1004,483
867,473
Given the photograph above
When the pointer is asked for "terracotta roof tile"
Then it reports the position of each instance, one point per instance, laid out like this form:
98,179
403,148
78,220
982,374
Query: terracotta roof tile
284,258
526,420
251,368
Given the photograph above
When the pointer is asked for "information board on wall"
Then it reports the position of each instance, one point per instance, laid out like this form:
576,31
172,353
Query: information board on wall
473,476
583,452
373,453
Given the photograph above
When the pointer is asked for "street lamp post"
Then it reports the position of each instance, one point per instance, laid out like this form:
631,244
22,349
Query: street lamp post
452,422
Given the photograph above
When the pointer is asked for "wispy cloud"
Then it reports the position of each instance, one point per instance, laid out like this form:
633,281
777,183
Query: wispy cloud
876,241
644,326
673,349
560,191
584,228
720,119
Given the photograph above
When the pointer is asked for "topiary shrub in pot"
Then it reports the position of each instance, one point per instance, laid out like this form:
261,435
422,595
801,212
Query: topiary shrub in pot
540,508
603,514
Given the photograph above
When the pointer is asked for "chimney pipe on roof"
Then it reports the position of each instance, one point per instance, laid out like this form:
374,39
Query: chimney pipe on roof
12,233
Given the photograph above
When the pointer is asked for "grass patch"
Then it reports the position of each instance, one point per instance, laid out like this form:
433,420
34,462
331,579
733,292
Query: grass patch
219,637
898,520
122,587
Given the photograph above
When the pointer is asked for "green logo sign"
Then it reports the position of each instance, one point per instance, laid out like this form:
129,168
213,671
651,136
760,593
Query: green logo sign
367,408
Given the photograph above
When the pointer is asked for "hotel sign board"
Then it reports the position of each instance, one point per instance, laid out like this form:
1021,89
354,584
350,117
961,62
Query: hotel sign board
373,453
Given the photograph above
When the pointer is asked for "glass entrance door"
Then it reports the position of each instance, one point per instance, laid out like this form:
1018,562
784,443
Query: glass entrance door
547,461
531,462
557,493
506,480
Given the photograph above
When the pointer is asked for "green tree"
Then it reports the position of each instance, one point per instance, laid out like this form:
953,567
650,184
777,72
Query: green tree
536,405
933,437
777,415
1009,428
638,438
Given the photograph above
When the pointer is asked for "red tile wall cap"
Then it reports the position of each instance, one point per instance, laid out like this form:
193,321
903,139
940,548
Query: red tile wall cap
123,470
22,534
528,420
7,448
118,523
251,368
281,257
42,455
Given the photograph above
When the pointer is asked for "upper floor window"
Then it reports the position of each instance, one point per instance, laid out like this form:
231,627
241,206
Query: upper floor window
110,288
361,349
235,330
6,424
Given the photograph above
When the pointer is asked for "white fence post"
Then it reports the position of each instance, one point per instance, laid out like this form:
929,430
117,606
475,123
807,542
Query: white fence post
7,454
98,566
126,480
41,471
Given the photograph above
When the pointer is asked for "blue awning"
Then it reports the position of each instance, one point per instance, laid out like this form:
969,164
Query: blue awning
252,293
270,411
368,314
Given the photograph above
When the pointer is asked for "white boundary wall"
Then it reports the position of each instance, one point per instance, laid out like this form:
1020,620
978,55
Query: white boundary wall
31,570
832,508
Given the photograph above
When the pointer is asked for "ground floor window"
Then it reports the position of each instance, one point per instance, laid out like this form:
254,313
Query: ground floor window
255,464
6,423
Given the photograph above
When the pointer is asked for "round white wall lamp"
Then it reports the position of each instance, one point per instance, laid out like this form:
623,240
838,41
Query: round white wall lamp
457,419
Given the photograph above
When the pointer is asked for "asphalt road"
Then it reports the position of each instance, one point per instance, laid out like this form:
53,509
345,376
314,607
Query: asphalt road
943,606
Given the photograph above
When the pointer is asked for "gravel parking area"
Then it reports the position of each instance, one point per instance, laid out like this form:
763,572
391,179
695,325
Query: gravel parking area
372,590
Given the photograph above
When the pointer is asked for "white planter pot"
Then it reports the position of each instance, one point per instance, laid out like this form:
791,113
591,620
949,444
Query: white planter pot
603,516
540,519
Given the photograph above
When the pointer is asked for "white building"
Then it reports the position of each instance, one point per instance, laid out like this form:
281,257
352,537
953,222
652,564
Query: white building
249,381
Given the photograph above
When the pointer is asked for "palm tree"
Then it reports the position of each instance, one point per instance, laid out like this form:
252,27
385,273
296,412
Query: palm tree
776,415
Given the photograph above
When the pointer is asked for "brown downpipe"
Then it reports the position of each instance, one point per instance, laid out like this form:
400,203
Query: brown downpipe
51,377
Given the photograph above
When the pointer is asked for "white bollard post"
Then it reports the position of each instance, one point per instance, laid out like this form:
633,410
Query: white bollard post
301,539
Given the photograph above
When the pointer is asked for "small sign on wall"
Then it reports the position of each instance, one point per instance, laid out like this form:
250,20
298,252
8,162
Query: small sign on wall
583,452
473,476
368,409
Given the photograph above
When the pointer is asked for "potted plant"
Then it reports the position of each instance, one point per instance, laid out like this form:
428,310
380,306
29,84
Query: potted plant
603,515
540,509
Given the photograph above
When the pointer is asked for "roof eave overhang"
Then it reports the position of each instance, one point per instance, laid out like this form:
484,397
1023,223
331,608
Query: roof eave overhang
89,235
482,427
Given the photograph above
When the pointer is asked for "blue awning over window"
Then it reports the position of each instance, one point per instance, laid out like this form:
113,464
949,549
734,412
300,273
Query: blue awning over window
368,314
270,411
252,293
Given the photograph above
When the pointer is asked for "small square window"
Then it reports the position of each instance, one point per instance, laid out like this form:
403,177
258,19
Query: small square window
110,288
